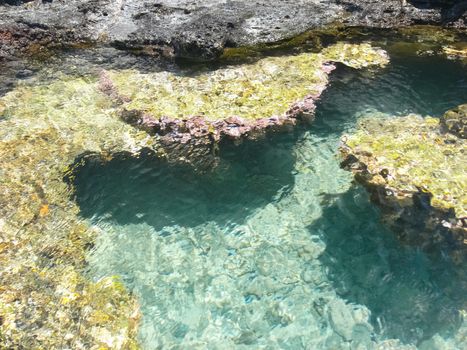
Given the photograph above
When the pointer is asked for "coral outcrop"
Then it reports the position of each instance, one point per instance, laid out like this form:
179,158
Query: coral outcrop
416,172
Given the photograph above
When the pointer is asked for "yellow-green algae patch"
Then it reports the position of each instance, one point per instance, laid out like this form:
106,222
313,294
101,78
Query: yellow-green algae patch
410,153
45,301
262,89
429,34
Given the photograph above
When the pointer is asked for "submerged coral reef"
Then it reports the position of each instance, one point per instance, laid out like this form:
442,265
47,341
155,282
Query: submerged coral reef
417,173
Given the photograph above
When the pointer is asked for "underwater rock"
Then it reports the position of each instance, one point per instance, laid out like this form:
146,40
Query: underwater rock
43,129
426,40
241,101
345,320
417,175
455,121
199,29
456,51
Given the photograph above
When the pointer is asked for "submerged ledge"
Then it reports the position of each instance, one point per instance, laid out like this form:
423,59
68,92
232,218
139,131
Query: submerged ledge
242,101
414,169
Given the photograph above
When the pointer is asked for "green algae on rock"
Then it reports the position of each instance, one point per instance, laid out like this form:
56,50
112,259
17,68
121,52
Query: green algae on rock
429,34
251,91
417,172
42,240
193,113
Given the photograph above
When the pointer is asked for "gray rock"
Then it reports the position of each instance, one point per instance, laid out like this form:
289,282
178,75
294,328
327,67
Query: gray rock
201,29
350,322
340,317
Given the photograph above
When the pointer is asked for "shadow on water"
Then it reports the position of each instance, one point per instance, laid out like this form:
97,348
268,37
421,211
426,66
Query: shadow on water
411,296
249,176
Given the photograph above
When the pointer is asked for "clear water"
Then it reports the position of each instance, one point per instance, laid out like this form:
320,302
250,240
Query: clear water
276,248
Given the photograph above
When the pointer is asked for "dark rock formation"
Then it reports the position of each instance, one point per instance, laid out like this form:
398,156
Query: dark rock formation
200,29
387,14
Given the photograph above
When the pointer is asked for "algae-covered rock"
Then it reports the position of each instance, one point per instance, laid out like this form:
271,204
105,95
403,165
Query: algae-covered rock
251,91
236,101
192,113
417,174
455,121
45,301
428,34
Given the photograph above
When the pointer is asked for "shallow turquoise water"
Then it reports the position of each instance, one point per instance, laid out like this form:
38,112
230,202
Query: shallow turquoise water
276,248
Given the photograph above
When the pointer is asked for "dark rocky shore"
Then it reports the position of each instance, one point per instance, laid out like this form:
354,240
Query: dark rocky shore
200,29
